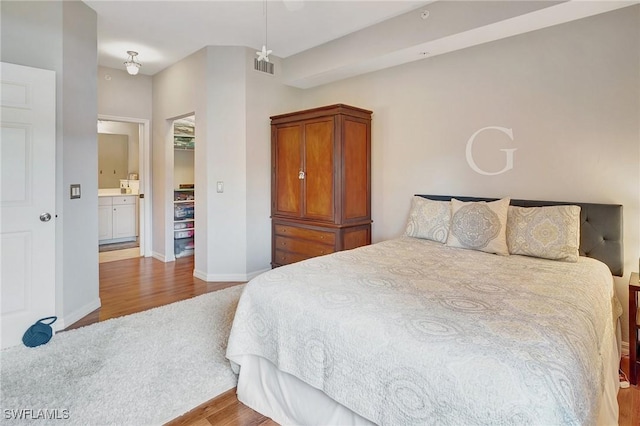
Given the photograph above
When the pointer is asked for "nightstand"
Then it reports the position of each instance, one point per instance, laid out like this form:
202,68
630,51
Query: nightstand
634,362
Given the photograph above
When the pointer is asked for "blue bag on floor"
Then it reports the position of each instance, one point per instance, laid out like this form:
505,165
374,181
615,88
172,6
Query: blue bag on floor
39,333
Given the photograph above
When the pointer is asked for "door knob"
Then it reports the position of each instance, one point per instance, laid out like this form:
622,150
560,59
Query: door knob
301,174
45,217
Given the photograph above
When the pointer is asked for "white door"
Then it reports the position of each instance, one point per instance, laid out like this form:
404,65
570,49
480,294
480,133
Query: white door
27,199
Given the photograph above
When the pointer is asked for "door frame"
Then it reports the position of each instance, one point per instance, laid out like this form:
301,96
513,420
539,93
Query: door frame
145,203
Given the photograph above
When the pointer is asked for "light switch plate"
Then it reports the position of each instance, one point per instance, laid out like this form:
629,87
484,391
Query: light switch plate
74,190
220,186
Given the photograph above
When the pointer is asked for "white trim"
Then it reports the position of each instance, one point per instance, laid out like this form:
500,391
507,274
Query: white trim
145,177
77,315
228,277
161,257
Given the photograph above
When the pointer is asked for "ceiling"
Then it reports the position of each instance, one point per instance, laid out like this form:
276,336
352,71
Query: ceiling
164,32
321,41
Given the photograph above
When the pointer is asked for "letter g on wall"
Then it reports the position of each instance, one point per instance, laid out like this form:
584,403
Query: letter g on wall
509,164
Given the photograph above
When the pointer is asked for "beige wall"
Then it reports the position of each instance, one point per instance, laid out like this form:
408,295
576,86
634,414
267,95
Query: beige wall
570,94
113,160
183,162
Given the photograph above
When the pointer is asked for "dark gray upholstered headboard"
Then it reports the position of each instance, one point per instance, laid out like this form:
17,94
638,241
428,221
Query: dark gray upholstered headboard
600,228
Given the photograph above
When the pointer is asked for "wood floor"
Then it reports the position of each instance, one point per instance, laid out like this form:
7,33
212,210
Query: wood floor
137,284
134,285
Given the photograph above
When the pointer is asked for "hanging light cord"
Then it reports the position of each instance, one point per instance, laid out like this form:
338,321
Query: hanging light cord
263,55
266,19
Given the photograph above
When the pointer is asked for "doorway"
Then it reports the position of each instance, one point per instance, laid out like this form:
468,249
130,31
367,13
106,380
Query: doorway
184,195
123,188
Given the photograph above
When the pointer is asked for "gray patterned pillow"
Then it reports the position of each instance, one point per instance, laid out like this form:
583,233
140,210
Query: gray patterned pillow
551,232
479,226
429,219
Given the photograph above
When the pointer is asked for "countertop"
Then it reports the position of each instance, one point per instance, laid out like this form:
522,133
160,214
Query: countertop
112,192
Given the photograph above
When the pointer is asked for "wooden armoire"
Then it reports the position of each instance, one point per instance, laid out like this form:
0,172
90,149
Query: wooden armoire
320,182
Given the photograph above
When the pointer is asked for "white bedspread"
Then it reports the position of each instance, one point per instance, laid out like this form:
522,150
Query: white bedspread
410,331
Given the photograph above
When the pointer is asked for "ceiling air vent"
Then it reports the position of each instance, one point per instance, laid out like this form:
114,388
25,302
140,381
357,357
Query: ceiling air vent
263,66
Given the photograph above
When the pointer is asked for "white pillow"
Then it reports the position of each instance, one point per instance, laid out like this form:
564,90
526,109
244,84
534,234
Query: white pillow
429,219
550,232
479,226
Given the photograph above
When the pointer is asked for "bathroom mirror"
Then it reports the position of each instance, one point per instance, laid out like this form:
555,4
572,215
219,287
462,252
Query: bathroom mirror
113,159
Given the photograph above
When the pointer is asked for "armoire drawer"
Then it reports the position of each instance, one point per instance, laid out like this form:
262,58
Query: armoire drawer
301,246
307,234
286,257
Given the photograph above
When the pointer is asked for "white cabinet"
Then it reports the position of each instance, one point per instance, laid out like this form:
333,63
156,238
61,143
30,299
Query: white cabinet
124,220
117,219
105,220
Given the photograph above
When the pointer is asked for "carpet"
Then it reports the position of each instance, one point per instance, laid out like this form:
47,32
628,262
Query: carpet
141,369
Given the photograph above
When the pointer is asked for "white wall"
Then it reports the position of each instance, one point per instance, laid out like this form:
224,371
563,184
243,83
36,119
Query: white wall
124,95
570,93
225,161
178,90
62,36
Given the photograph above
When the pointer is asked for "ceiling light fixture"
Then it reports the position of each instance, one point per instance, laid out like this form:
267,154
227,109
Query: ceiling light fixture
263,55
133,66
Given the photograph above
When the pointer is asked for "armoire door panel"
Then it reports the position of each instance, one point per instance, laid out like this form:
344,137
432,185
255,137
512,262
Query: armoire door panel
318,168
356,170
288,185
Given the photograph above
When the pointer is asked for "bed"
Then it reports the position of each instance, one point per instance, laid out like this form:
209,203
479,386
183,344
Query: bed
417,330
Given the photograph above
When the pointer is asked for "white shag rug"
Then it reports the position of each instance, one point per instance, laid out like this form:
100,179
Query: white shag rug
142,369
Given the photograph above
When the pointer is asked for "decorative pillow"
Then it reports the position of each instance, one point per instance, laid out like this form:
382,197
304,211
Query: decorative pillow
479,226
429,219
550,232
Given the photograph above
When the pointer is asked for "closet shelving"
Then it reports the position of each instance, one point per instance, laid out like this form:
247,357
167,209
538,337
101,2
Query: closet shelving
184,135
184,138
183,221
183,142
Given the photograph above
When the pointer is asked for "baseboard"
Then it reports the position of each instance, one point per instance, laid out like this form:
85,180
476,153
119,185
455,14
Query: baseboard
159,256
77,315
227,277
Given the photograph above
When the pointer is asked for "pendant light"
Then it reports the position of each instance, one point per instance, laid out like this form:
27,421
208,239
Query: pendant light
133,66
263,55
